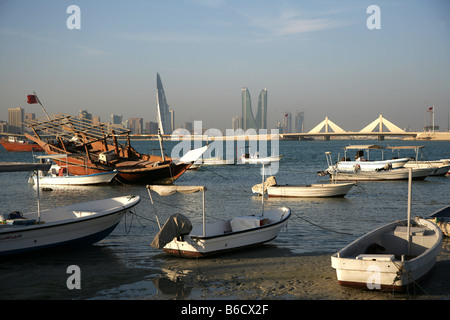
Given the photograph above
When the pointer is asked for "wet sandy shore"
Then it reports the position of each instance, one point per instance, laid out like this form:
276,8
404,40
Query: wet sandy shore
251,276
265,273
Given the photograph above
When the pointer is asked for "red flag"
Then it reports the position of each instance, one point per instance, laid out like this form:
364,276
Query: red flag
32,99
430,108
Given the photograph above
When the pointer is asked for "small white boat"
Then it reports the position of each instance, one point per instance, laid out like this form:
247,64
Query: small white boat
441,166
441,218
58,175
80,223
392,174
390,257
215,161
376,175
256,158
178,236
303,191
362,163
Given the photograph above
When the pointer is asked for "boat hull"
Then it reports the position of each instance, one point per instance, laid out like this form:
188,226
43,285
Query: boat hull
395,174
129,172
219,242
259,160
310,191
83,180
440,169
360,265
21,147
164,174
83,223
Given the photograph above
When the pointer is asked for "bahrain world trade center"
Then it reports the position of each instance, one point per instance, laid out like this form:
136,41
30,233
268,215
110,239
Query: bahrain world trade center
248,120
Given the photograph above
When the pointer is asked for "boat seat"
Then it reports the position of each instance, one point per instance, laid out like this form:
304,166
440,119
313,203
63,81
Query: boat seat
376,257
245,222
415,231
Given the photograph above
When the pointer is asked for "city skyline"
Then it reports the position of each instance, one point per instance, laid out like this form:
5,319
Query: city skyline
318,57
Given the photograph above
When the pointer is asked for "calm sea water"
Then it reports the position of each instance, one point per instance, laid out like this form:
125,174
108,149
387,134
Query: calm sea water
125,266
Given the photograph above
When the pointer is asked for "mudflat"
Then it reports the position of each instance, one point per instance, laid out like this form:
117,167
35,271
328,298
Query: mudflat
259,274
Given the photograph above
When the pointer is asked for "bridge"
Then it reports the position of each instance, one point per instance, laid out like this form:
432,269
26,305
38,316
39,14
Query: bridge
379,128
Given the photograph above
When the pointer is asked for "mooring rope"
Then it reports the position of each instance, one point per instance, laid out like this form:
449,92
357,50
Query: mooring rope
316,225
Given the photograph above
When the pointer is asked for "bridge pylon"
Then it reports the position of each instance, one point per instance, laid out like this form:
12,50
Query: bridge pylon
326,124
380,122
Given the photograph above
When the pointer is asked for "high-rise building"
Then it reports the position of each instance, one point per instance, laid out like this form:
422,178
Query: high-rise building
236,123
164,116
136,125
116,119
248,120
287,123
261,114
299,122
15,120
84,114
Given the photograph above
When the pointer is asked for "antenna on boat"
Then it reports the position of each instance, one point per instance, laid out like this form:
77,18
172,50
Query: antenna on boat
38,196
409,209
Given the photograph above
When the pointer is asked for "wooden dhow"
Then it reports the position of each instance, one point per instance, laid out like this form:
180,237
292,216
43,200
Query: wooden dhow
94,148
14,143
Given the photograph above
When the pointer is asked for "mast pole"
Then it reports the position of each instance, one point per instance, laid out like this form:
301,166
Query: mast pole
409,210
45,111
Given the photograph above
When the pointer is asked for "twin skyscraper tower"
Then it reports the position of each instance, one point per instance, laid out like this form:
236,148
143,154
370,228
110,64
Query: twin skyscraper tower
248,120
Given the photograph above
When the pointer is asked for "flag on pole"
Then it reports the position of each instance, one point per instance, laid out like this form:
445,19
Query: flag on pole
32,98
430,108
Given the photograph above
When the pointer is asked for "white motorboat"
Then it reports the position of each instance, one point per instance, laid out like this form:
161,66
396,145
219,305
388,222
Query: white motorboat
53,179
382,175
256,158
390,257
79,223
441,166
363,163
59,175
376,175
215,161
441,218
303,191
178,236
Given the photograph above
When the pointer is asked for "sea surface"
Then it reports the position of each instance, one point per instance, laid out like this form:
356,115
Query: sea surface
124,266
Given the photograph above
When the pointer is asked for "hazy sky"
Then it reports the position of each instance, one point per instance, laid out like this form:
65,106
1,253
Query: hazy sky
318,57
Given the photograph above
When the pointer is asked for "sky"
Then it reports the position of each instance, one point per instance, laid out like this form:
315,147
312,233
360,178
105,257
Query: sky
318,57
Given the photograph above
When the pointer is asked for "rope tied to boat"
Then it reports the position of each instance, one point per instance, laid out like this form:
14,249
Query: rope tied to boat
400,272
316,225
